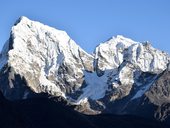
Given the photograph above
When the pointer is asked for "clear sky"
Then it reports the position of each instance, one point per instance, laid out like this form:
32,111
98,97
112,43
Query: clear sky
90,22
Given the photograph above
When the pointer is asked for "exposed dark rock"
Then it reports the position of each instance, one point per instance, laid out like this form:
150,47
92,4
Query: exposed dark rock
44,112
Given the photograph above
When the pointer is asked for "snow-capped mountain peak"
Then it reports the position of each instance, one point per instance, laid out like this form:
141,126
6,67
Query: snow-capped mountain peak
45,53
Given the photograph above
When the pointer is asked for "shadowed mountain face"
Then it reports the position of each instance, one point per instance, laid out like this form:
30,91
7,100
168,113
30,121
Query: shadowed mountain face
44,112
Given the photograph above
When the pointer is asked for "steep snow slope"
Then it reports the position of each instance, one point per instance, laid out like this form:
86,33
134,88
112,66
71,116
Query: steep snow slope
47,58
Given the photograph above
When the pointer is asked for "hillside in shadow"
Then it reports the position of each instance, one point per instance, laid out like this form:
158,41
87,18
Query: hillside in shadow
48,113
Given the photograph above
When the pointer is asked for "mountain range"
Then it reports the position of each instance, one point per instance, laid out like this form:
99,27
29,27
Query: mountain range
121,77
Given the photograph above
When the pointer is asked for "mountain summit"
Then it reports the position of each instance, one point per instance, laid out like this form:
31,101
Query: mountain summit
122,76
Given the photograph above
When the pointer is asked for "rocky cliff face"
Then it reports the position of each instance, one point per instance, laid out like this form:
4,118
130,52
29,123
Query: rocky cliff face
120,74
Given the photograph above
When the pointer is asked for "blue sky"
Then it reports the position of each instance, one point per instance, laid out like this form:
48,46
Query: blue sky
90,22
